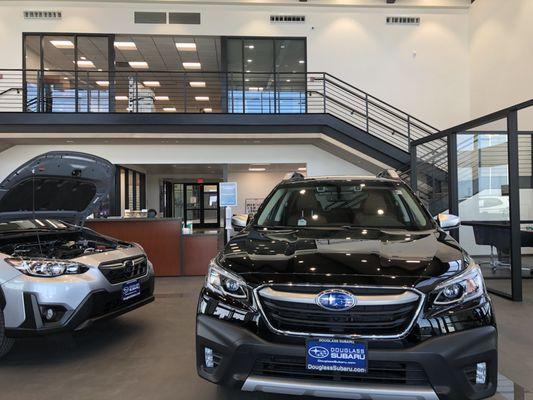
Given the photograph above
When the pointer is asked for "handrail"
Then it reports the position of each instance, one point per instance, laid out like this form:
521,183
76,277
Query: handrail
486,119
10,90
384,102
353,110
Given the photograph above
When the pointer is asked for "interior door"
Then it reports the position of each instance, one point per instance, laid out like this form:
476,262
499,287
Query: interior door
202,204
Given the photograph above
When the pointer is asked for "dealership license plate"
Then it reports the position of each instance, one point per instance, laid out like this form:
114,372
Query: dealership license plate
130,290
336,355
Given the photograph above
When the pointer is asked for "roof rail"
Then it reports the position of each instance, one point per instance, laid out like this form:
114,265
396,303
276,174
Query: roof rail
294,176
389,174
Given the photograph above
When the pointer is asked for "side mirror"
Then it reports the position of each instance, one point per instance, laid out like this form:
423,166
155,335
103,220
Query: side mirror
249,219
448,222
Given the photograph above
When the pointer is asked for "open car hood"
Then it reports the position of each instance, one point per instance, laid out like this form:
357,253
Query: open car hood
63,185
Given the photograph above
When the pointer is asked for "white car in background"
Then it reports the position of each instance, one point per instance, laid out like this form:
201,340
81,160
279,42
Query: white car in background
58,276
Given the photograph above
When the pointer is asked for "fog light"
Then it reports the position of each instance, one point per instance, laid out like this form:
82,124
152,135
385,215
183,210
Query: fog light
209,362
481,373
49,314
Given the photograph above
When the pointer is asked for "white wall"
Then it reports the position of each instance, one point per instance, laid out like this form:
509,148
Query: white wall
501,55
319,162
421,69
253,185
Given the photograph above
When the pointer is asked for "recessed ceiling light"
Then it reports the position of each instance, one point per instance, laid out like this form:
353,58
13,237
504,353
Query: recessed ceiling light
125,45
197,84
301,62
161,98
192,65
138,64
102,83
248,71
169,109
62,44
207,110
251,46
186,46
85,64
249,60
201,98
288,80
247,80
256,169
151,83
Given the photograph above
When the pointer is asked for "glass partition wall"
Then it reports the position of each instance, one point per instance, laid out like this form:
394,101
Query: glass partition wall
163,73
489,176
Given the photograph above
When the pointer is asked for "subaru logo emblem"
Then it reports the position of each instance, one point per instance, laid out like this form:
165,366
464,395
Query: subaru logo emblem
336,300
318,352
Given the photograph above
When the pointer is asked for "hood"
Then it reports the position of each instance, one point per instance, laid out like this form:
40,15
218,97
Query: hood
59,185
343,256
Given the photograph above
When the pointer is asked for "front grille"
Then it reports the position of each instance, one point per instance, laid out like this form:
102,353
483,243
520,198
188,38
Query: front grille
379,372
380,319
124,270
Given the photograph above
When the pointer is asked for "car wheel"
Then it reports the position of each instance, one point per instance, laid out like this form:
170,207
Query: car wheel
5,343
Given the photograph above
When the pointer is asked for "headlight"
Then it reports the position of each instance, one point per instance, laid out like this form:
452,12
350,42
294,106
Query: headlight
47,268
464,287
224,282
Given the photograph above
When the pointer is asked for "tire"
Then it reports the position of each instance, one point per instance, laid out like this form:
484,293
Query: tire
5,343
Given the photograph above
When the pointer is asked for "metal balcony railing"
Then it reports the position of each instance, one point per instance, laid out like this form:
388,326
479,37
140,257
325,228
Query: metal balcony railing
206,92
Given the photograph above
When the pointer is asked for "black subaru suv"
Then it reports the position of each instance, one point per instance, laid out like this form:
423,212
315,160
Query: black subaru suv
347,287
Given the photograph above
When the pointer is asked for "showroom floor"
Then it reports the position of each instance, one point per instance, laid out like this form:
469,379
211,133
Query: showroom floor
149,354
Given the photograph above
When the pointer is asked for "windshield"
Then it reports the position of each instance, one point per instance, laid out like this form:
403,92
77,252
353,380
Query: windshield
367,204
32,224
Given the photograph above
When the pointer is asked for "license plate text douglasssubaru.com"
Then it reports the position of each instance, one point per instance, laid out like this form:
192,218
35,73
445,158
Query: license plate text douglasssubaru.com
336,355
130,290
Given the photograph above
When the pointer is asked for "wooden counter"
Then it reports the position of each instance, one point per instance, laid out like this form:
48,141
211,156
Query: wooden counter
160,238
171,252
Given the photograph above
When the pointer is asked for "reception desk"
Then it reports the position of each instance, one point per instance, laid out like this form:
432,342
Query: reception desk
171,252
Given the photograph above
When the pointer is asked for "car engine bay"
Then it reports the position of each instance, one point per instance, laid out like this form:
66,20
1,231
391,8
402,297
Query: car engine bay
62,246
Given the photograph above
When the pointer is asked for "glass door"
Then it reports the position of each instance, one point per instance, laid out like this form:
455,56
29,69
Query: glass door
201,205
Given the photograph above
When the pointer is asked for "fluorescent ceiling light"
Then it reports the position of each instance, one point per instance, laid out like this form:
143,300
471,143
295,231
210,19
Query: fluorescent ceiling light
301,61
138,64
302,169
197,84
192,65
251,46
85,64
201,98
125,45
186,46
256,169
62,44
255,89
161,98
121,98
151,83
249,60
207,110
169,109
102,83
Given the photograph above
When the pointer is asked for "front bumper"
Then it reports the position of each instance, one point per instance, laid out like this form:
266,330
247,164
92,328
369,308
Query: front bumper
99,304
446,362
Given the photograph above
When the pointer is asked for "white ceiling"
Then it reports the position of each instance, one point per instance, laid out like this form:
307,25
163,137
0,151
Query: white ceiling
309,3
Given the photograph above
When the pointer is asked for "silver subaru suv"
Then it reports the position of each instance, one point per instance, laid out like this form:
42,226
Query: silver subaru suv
56,275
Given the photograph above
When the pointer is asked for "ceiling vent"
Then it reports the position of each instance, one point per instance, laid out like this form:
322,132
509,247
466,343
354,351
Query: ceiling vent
403,20
287,19
184,18
147,17
42,14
